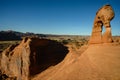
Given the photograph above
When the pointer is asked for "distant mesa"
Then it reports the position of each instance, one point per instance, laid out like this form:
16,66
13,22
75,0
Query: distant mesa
9,35
103,18
14,35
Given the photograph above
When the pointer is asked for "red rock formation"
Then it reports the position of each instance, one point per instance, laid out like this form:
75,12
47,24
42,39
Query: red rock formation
30,57
103,17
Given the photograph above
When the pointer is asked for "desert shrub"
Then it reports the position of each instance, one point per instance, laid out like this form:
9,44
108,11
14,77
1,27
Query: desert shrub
5,44
65,41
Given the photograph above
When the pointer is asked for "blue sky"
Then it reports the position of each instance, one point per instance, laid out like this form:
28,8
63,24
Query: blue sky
73,17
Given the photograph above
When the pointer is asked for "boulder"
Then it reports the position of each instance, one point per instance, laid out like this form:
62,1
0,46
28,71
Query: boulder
103,18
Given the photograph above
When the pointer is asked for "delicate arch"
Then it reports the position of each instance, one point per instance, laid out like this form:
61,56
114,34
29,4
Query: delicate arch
103,17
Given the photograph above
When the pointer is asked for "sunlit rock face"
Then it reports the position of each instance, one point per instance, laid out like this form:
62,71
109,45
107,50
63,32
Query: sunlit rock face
31,57
103,18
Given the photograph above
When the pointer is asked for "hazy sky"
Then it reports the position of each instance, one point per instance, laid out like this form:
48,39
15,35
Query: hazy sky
55,16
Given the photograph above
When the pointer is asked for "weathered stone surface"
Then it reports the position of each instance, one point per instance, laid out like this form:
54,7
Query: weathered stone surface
103,17
30,57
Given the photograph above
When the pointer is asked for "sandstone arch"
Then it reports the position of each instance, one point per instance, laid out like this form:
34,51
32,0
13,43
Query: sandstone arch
103,17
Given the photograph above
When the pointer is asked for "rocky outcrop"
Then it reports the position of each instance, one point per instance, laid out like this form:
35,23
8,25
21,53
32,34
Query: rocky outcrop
30,57
93,62
103,18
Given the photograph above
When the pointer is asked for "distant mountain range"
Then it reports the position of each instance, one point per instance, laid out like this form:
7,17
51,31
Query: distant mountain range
14,35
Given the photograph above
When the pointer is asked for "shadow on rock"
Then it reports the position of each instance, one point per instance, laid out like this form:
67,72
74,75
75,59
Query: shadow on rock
45,53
